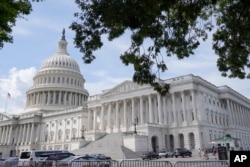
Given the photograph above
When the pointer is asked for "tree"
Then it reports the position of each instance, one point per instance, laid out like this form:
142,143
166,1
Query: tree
175,27
10,11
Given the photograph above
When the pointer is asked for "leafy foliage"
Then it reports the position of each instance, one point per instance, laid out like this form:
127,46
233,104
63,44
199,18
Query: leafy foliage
10,11
176,26
169,24
232,38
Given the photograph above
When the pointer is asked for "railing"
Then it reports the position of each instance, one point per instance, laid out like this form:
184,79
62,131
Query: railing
202,163
140,163
131,163
95,163
133,133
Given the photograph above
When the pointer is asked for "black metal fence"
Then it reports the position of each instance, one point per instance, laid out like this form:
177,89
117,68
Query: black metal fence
105,163
133,163
201,163
148,163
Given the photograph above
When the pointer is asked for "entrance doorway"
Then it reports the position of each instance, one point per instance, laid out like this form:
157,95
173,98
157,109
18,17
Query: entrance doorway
155,143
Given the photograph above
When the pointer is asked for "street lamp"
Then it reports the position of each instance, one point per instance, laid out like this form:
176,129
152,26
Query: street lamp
135,123
83,129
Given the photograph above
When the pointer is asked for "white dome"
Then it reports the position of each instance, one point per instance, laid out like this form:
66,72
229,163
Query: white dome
58,84
61,59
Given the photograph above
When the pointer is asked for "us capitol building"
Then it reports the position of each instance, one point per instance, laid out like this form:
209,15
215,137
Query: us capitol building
128,118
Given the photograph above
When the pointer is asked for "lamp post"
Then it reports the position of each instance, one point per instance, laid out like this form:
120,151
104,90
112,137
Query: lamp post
135,123
83,129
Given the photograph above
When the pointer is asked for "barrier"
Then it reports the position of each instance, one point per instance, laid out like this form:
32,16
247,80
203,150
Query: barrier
31,164
145,163
138,163
201,163
94,163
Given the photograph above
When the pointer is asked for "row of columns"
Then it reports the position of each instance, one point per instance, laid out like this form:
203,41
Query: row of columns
217,118
20,135
238,114
5,132
55,97
150,108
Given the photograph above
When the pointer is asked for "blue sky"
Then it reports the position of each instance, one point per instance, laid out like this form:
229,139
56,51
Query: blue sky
36,37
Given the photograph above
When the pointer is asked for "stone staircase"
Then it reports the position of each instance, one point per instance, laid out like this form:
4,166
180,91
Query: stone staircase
111,145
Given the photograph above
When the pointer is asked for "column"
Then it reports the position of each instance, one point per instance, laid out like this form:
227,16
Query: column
75,99
79,126
230,114
27,134
20,134
241,115
10,134
2,134
41,98
16,135
117,114
32,133
102,117
65,98
133,109
24,133
49,96
4,137
109,115
38,133
154,109
95,118
70,98
7,137
194,105
174,110
125,114
60,97
164,101
54,97
235,114
89,119
150,109
183,108
141,111
159,108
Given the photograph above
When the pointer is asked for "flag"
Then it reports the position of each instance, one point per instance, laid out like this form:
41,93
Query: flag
8,95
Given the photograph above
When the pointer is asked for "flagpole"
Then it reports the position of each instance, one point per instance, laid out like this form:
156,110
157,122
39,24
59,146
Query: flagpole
8,97
6,104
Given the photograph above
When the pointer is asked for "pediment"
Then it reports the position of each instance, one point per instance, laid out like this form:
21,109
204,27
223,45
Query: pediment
4,117
125,86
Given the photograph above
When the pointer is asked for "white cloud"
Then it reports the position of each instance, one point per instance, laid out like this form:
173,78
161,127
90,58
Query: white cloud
16,83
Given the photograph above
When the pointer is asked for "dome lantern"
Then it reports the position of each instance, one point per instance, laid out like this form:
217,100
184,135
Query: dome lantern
62,44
